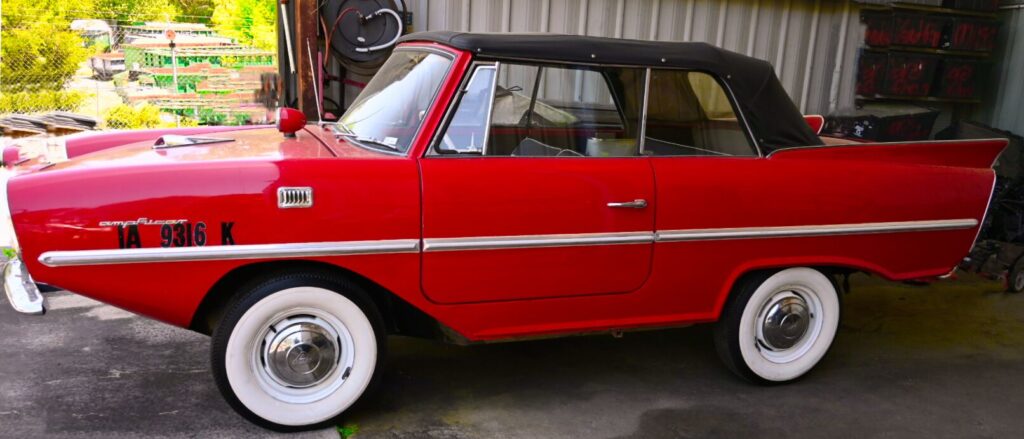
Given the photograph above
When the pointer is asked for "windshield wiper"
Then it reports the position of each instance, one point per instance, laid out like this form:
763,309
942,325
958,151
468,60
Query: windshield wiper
339,128
347,133
364,140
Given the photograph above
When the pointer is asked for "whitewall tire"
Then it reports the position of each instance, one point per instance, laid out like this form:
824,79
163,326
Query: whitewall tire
1015,277
296,351
777,326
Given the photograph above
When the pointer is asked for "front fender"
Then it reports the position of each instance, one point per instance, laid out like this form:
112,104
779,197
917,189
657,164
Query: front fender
161,209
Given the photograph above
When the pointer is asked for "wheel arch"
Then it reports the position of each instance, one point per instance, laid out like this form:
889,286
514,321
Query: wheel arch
831,268
400,317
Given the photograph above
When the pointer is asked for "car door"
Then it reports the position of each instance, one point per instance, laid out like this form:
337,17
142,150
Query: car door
710,177
524,198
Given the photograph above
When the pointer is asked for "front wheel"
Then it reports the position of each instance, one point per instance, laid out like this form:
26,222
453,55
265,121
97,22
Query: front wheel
777,326
296,351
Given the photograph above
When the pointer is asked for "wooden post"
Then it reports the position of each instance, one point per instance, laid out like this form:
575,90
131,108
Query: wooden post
305,34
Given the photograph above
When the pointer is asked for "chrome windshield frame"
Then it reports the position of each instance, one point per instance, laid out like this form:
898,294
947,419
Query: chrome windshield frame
434,100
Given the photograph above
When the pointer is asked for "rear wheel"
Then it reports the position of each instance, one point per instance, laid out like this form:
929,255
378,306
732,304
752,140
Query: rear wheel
296,351
777,326
1015,279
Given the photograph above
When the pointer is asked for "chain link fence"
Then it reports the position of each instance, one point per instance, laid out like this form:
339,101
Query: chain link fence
64,69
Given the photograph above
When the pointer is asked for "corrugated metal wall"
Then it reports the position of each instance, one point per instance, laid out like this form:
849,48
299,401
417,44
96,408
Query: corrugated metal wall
812,43
1004,107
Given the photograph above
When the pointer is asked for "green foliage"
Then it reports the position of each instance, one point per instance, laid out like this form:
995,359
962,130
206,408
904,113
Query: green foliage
347,431
184,122
194,11
39,50
209,116
251,22
99,45
241,119
39,57
134,11
39,101
20,14
228,61
127,117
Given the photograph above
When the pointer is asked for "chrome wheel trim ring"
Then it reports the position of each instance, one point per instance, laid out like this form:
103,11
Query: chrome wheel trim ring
785,321
300,351
326,380
1018,280
780,342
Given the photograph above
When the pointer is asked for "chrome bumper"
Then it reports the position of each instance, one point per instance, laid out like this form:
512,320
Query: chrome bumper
21,289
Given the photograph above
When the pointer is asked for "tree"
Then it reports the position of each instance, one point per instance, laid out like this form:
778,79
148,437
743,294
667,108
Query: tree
39,50
194,11
18,14
134,11
251,22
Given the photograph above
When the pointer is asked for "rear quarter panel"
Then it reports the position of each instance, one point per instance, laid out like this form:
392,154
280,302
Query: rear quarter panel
811,187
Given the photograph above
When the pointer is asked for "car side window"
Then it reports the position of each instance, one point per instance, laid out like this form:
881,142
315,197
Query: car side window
549,111
566,111
467,131
689,114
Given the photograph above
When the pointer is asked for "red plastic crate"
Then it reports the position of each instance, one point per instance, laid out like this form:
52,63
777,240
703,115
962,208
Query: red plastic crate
973,34
910,74
878,24
871,69
959,78
919,30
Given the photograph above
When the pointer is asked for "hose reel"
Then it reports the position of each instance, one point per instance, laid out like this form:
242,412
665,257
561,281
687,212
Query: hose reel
360,32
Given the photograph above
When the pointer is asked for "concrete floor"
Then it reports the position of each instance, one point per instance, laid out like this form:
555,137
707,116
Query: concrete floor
939,361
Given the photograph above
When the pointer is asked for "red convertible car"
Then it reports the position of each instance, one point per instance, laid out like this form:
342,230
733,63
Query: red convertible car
494,187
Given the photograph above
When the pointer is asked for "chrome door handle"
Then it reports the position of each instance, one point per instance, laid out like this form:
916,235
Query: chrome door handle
638,203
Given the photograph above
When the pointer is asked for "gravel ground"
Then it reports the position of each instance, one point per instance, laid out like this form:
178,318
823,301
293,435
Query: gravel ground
940,361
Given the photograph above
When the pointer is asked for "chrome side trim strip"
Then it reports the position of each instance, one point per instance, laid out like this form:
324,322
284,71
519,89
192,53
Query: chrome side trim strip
806,231
226,252
320,249
535,241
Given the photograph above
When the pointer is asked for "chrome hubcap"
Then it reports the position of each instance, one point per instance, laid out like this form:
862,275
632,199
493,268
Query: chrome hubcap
1018,281
786,319
301,351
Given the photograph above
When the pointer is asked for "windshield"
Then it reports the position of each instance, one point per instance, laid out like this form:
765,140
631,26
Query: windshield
389,111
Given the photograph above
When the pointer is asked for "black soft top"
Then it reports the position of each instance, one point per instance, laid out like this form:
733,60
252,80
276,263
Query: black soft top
773,118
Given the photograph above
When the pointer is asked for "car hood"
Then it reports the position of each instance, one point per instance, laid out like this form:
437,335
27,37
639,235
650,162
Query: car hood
259,144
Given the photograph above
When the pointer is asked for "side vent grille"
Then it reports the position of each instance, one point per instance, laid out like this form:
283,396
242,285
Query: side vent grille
294,197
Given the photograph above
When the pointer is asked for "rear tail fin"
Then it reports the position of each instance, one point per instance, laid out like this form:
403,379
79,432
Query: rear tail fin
817,122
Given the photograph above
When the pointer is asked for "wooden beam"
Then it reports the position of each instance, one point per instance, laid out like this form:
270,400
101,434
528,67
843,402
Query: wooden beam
305,41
